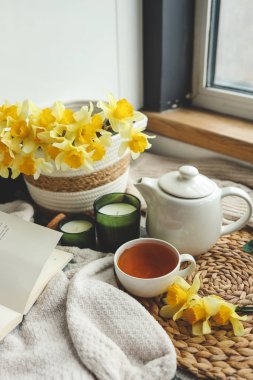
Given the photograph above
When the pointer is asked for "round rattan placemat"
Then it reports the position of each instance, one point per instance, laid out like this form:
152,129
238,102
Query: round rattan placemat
226,271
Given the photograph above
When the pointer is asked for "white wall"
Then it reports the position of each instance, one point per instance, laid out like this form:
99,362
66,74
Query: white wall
70,50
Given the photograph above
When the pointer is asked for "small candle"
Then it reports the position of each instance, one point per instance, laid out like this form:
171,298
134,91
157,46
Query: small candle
78,231
117,209
117,220
76,226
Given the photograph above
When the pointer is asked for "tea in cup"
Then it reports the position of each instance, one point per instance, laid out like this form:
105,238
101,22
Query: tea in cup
146,267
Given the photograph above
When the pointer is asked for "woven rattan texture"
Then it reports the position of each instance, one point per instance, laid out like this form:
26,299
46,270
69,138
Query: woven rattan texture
228,272
81,183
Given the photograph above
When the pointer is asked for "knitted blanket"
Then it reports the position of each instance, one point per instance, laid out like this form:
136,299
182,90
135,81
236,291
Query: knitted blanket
84,327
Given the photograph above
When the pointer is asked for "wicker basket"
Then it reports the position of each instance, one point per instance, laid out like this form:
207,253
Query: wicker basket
75,191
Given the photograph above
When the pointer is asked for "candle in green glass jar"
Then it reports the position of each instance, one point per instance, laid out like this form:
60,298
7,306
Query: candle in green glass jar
116,209
78,231
117,220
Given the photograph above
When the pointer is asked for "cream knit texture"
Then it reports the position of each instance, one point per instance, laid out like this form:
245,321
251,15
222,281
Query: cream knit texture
83,327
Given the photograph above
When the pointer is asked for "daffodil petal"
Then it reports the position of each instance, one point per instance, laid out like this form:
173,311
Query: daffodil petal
112,100
195,285
237,327
122,148
197,328
4,172
58,160
182,283
57,110
206,328
179,313
168,311
14,173
237,316
24,109
212,305
44,137
135,155
28,146
125,131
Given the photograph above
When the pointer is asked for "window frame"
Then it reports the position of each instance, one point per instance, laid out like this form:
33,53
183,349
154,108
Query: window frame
221,100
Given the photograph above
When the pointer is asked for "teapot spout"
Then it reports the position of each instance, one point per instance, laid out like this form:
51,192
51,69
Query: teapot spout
146,187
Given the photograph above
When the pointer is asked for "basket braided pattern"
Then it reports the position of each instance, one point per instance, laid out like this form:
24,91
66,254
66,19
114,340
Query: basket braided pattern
82,182
226,270
75,202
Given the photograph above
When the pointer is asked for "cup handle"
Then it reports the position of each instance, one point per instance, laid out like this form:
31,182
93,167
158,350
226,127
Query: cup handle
191,268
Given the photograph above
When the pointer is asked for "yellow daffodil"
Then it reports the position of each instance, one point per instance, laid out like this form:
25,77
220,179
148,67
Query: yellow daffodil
18,134
226,314
18,111
83,116
5,156
35,140
85,134
97,149
5,160
42,118
72,157
184,302
46,118
119,112
213,308
86,126
51,125
179,295
61,114
134,140
4,171
20,137
8,111
29,165
196,314
87,129
19,128
51,151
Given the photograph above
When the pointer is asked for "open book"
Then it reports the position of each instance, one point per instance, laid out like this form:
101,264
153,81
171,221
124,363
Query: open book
28,261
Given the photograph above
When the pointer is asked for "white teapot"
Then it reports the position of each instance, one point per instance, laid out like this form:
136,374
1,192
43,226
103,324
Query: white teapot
185,209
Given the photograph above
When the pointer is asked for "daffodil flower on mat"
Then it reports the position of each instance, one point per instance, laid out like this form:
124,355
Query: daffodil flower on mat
179,295
227,314
184,302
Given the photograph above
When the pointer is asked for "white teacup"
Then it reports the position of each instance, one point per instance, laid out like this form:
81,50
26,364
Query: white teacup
144,250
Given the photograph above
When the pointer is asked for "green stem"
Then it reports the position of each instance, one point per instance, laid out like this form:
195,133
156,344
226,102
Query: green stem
244,309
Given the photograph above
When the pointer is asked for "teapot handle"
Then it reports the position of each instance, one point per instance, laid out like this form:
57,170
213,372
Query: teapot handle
238,224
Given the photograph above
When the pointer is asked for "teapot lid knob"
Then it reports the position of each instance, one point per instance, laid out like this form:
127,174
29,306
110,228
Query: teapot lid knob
188,172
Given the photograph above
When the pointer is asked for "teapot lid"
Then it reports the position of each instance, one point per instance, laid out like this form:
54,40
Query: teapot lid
187,183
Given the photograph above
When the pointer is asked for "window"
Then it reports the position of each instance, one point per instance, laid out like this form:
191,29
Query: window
223,56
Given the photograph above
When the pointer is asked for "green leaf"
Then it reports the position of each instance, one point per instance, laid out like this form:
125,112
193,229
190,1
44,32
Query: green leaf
248,247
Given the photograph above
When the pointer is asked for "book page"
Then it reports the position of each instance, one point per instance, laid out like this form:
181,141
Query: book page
9,319
56,262
24,249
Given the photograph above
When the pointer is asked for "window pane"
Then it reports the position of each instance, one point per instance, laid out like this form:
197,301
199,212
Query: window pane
234,55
